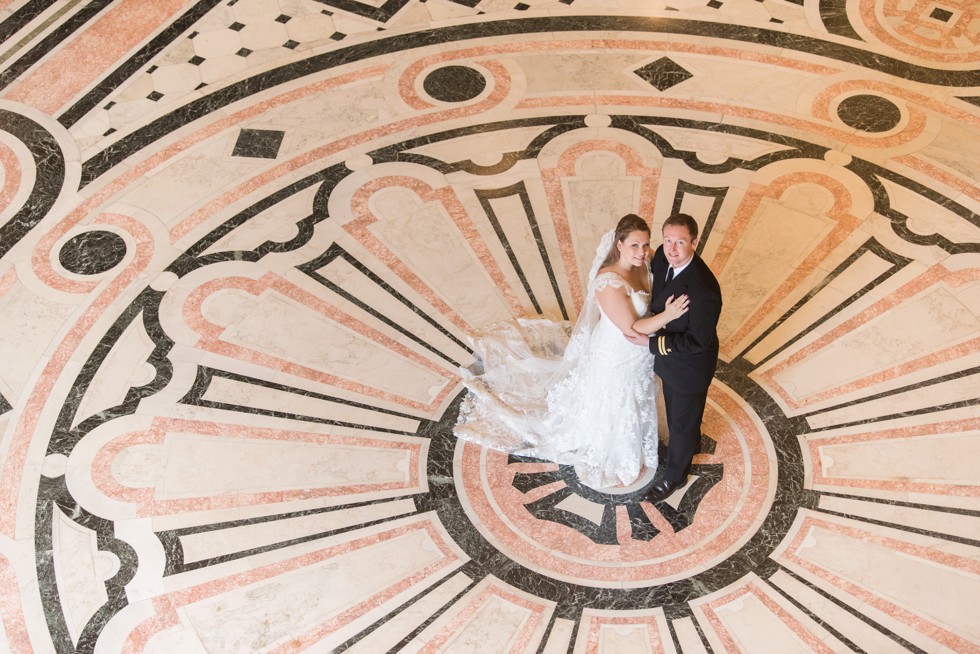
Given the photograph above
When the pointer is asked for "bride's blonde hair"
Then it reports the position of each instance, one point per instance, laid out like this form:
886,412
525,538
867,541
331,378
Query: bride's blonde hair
627,225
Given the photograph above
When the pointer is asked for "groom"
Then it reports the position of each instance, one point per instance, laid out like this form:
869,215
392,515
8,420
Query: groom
686,349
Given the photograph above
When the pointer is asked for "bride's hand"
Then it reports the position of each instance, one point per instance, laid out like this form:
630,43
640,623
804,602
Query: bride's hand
676,307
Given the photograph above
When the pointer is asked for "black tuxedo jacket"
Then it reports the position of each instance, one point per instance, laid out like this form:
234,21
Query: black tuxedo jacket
686,349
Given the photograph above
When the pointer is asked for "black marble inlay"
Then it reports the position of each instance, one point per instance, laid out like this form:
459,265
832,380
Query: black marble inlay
154,96
283,18
869,113
196,60
236,27
292,45
663,73
258,143
941,14
338,36
454,83
5,405
49,176
91,253
244,52
714,4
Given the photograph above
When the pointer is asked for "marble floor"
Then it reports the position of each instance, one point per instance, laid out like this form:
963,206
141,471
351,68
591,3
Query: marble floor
244,244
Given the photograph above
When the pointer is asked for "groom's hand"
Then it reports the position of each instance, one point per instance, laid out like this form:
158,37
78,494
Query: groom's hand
637,338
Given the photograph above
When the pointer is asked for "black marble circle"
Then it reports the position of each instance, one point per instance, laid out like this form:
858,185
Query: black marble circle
92,252
869,113
454,83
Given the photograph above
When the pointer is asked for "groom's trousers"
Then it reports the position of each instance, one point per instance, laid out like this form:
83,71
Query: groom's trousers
684,414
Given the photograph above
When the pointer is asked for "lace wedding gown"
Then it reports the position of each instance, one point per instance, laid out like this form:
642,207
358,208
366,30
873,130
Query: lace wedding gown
590,403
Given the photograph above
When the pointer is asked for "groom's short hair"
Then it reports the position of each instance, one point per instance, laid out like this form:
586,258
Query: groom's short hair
683,220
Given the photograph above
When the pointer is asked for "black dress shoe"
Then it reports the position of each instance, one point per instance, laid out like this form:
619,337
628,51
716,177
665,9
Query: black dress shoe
662,489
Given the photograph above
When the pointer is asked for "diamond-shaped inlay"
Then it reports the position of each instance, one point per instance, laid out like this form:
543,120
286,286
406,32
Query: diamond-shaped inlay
236,27
941,14
258,143
292,45
522,7
663,73
155,95
338,36
196,60
283,18
714,4
244,52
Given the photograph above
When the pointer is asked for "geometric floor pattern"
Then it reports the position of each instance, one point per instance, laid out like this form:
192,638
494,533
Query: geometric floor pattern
244,243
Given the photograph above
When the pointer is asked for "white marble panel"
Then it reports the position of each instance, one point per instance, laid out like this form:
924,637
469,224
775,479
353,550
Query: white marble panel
954,524
948,392
625,639
109,386
422,235
81,570
207,465
955,147
29,324
277,223
197,173
949,458
755,627
925,324
863,270
896,572
779,236
272,611
280,327
492,628
688,637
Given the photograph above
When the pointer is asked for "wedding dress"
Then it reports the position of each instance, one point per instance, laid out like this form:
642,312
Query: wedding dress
585,398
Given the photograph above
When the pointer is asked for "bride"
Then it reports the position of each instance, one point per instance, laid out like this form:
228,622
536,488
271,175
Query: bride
587,400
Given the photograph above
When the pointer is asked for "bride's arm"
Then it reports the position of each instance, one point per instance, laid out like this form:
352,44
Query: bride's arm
673,308
615,304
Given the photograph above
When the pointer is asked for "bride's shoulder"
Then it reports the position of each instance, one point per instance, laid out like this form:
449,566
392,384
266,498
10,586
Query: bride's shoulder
608,277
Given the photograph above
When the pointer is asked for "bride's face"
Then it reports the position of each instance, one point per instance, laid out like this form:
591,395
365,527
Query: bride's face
634,249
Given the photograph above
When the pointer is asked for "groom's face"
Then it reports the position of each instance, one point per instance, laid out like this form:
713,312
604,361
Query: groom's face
678,245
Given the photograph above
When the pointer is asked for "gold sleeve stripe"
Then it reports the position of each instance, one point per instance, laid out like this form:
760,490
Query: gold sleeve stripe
662,345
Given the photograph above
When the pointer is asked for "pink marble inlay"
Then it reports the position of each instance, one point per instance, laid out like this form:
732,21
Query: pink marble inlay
938,632
15,632
967,187
211,338
148,505
823,101
935,275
